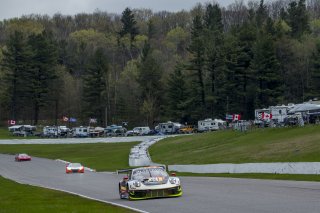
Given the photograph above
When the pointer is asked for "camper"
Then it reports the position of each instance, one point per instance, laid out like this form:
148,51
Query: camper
81,132
51,131
279,113
55,131
22,130
210,125
169,127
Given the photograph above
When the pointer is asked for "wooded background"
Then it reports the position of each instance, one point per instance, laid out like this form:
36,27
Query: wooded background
144,67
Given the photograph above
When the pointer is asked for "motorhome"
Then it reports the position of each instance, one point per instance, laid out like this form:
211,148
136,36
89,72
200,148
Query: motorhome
81,132
55,131
210,125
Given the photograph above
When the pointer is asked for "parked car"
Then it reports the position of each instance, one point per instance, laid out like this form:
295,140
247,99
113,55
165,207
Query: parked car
22,157
138,131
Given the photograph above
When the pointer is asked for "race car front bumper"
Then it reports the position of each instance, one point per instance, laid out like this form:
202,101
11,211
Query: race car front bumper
155,193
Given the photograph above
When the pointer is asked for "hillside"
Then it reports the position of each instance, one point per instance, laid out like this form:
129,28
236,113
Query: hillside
261,145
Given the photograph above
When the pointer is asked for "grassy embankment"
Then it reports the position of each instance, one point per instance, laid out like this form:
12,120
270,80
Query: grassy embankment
261,145
99,156
16,198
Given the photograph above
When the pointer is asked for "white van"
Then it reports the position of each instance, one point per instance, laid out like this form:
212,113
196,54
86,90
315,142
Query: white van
138,131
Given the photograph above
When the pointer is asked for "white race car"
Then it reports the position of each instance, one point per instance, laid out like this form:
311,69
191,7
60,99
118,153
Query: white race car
148,182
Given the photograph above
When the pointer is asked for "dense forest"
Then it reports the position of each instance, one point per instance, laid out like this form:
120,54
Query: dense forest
146,67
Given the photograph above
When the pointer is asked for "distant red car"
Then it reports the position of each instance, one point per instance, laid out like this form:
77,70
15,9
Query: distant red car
22,157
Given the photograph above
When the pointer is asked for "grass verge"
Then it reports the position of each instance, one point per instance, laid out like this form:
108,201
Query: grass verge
261,145
16,198
99,156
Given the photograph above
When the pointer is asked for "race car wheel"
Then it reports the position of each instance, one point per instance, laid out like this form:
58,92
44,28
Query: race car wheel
121,194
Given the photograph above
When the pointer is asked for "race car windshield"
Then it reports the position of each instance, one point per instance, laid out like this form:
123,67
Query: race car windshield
75,165
142,174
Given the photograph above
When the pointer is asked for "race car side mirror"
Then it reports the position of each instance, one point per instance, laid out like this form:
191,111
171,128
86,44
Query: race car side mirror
173,174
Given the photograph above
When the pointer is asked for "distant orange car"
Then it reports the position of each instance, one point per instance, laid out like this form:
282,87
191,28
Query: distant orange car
186,130
22,157
74,168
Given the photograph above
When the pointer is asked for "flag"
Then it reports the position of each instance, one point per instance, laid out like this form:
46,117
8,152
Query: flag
229,117
236,117
11,122
266,116
93,120
65,119
73,120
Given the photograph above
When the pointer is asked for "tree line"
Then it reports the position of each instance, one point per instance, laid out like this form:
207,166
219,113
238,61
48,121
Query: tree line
145,67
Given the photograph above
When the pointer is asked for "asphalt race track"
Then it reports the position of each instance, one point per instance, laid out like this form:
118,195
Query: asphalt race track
221,195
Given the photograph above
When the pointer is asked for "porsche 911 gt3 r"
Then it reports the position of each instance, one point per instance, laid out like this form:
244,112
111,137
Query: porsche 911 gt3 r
74,168
148,182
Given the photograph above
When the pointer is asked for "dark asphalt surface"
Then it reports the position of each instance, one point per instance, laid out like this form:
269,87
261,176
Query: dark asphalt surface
221,195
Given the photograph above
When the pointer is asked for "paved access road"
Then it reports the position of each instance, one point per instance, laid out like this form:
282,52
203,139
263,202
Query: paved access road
221,195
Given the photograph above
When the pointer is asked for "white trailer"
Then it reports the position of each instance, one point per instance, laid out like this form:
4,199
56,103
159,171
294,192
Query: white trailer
210,125
81,132
279,113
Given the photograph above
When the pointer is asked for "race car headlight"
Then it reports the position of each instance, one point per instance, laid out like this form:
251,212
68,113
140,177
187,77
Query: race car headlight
173,180
137,184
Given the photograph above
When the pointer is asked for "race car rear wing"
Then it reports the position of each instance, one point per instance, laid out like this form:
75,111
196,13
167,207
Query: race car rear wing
123,171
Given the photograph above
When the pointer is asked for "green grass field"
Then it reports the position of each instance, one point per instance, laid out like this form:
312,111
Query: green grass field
19,198
99,156
261,145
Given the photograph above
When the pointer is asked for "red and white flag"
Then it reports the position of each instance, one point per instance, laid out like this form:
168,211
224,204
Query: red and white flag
266,116
11,122
236,117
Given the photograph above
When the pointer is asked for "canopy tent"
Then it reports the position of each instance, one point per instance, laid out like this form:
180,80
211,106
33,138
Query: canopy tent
305,107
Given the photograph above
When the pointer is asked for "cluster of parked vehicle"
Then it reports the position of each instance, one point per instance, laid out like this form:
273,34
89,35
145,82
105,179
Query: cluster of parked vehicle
116,130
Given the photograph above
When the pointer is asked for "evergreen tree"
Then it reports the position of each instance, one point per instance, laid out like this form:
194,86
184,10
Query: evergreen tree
196,67
149,79
265,67
128,24
215,60
94,88
16,57
314,89
42,73
239,91
178,96
298,18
